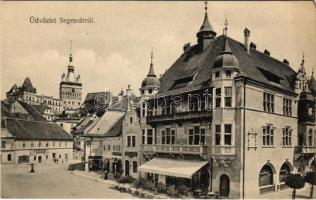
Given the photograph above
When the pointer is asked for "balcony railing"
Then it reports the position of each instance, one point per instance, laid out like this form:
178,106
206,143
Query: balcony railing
305,149
181,149
188,115
223,150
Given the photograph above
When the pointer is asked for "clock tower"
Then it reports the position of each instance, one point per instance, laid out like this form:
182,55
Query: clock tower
70,87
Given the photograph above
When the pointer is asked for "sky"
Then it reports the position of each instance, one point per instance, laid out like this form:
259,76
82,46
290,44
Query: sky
115,50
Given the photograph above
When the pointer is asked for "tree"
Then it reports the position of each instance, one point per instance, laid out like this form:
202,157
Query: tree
311,179
294,181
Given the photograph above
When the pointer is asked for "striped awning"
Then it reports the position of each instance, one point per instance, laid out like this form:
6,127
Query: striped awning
170,167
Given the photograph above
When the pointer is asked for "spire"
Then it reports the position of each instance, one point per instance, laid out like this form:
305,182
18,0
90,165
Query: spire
302,68
206,26
312,76
151,69
226,45
70,54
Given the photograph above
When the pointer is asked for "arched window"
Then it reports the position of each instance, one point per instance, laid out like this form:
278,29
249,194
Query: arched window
135,166
266,176
9,157
284,171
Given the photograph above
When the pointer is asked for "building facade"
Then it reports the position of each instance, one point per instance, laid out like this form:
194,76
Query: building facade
27,93
225,114
28,141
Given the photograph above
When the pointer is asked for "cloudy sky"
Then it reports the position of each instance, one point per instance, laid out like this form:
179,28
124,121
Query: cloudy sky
115,50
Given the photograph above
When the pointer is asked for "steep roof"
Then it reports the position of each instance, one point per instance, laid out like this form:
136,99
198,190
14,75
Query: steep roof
196,66
27,86
26,129
40,108
92,96
37,116
5,110
85,124
106,124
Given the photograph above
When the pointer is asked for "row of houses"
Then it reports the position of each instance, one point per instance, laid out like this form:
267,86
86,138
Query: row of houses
223,117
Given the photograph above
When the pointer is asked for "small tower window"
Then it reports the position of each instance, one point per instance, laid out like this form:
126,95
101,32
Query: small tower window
131,120
150,91
228,74
217,75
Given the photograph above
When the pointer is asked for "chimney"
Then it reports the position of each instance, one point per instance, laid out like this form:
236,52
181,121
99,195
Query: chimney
266,52
285,61
253,46
186,46
247,35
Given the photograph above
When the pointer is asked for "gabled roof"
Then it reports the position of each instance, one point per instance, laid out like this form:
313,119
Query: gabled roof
37,116
27,86
106,124
202,61
26,129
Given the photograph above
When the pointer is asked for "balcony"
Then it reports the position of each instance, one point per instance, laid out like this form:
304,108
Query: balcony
176,149
180,116
223,150
305,149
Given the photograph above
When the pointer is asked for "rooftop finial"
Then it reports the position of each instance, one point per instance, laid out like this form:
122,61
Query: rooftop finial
225,28
70,52
151,56
205,2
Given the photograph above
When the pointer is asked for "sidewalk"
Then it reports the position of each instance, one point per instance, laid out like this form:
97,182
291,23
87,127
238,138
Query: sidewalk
98,177
287,193
93,176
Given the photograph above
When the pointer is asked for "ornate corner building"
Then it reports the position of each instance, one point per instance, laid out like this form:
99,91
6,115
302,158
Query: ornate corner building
226,116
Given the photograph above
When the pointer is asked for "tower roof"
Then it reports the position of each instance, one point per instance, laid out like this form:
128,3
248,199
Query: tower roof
226,59
27,85
151,81
206,25
312,84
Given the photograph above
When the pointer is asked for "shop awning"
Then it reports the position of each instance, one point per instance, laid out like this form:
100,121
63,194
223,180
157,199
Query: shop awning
169,167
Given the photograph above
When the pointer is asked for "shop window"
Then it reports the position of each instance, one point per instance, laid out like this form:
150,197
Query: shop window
266,176
284,172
